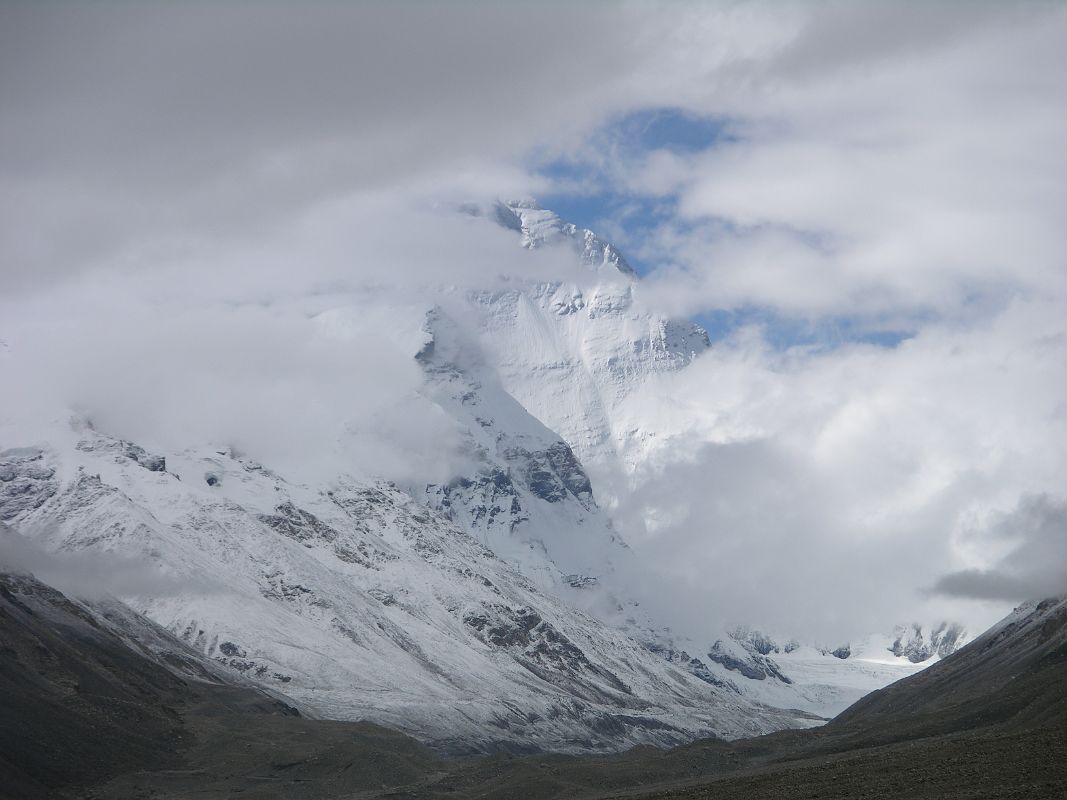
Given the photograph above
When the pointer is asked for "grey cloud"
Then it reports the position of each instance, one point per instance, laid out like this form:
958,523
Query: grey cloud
980,584
827,490
843,35
126,121
750,532
92,575
211,177
1035,567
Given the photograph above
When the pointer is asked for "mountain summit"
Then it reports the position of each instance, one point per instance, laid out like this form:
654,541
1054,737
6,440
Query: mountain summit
492,610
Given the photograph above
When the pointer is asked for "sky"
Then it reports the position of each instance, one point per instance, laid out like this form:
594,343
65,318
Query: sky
862,203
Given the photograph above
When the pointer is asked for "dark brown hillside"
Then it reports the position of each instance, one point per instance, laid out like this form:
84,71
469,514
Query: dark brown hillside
97,702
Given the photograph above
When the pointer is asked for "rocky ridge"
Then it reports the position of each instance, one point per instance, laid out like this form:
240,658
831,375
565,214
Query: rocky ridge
359,602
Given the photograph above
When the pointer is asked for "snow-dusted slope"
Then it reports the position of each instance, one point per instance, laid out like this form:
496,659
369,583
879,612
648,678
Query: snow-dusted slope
526,496
357,601
532,373
571,351
492,608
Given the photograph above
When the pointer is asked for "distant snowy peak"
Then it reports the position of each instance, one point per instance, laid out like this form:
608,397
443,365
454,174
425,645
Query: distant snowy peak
540,226
915,643
941,640
572,351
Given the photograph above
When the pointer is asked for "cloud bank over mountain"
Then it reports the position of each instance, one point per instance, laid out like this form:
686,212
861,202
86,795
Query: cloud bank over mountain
1035,564
190,193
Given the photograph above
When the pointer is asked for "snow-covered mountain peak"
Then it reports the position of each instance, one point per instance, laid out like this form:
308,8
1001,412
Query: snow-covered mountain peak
491,605
539,227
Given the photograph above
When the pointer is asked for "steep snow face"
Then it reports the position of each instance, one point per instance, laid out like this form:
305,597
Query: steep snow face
526,496
571,351
358,601
539,227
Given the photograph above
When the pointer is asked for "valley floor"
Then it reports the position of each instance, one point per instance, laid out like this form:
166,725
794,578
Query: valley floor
87,714
1032,765
285,757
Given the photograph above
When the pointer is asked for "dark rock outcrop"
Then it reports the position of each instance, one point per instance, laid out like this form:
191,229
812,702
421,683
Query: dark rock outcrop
911,642
755,666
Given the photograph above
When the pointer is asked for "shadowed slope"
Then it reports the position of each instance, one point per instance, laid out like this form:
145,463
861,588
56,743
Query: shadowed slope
95,696
1014,675
89,692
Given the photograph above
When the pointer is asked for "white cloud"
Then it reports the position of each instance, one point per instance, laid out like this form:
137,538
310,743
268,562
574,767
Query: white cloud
297,348
878,159
130,124
899,168
86,574
186,189
832,490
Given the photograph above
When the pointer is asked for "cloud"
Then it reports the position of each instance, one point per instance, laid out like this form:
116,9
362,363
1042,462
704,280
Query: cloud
224,223
851,177
298,349
825,490
891,169
876,160
1035,567
136,124
91,575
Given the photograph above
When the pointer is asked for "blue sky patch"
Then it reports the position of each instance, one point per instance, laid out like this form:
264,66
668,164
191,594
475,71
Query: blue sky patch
588,195
670,129
590,198
781,332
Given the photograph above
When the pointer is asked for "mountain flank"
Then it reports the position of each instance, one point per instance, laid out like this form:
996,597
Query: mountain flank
98,702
